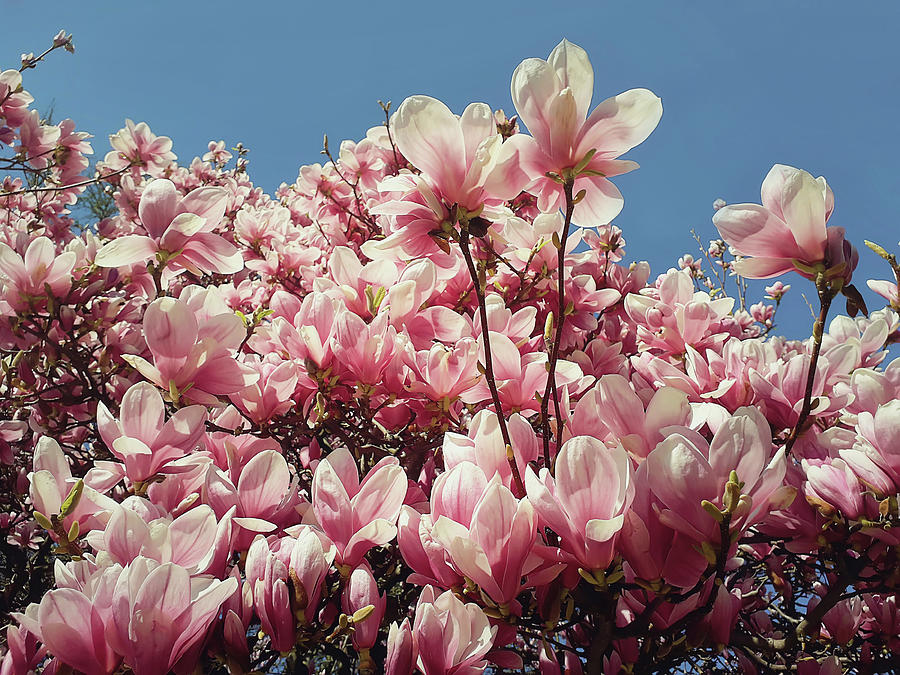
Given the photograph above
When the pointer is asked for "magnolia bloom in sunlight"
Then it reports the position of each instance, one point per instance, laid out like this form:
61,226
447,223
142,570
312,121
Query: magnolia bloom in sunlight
138,146
142,438
179,232
585,503
788,231
451,636
463,158
191,360
552,98
465,166
26,278
357,515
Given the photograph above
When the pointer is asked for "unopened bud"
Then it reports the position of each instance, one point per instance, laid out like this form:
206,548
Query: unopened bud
548,328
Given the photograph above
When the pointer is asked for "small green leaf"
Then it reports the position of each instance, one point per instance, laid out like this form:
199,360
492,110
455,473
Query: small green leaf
71,502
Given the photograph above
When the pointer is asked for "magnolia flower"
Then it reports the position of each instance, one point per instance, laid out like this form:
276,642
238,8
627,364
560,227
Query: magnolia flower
357,515
191,360
788,231
142,438
552,98
586,501
26,278
451,636
179,232
491,550
138,146
466,169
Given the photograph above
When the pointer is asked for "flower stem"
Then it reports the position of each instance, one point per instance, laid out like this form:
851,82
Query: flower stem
568,187
826,295
489,364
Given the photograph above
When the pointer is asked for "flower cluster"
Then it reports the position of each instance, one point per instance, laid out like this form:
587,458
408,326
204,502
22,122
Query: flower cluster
416,413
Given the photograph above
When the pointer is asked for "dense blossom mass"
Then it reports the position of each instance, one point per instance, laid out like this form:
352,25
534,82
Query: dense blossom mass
415,412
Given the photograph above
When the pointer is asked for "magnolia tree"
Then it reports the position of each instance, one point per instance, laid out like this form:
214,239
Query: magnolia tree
415,413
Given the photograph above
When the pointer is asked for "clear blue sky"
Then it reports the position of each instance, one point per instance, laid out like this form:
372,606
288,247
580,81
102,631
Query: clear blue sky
744,85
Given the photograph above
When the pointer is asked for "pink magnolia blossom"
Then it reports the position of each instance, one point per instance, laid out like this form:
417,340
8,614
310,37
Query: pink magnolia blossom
519,377
653,550
271,394
159,612
142,438
25,653
194,540
445,373
179,233
553,98
360,591
357,515
788,231
454,496
464,163
875,455
484,446
452,637
832,486
74,630
462,158
683,470
585,502
364,350
301,562
15,100
136,145
612,410
494,548
267,577
190,360
38,140
23,279
401,650
52,482
668,524
262,491
217,153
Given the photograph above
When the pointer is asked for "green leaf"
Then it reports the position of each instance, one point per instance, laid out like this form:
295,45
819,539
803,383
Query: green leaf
71,502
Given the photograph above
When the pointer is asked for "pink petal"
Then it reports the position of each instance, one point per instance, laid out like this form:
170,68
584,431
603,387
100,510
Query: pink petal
381,496
157,206
126,250
72,630
212,254
762,268
170,328
207,202
142,412
263,483
534,84
476,124
192,535
803,203
574,70
601,204
40,251
754,231
620,123
428,134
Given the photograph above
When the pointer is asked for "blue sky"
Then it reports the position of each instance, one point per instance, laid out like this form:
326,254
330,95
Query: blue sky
814,84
